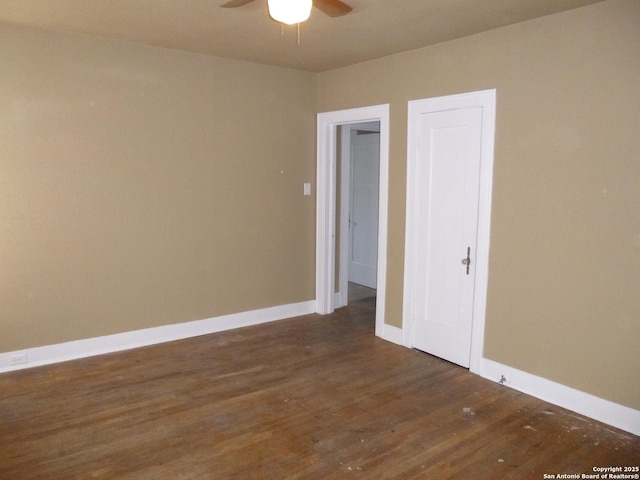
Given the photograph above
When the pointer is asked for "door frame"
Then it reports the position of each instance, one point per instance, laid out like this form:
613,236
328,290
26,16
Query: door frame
326,204
342,295
486,99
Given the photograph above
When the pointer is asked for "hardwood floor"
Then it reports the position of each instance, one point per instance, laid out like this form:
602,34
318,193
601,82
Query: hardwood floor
307,398
359,292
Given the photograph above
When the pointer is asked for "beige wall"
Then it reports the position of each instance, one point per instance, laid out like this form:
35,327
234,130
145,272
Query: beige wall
564,277
142,186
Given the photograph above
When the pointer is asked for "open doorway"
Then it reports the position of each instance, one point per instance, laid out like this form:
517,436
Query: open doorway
358,178
328,217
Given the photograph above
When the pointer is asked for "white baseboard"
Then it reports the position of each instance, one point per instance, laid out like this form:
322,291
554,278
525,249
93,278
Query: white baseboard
390,333
62,352
605,411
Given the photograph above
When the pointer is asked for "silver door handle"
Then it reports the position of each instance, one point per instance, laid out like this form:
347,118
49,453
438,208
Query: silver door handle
467,261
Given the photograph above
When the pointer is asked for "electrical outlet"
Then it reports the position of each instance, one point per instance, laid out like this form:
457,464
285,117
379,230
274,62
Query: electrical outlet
18,359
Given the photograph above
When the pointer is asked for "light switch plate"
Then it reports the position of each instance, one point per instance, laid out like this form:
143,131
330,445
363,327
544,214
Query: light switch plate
307,189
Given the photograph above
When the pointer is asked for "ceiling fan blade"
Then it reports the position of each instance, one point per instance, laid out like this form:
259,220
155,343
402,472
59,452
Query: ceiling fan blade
333,8
235,3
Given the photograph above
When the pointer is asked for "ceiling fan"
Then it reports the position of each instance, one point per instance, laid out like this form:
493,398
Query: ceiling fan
333,8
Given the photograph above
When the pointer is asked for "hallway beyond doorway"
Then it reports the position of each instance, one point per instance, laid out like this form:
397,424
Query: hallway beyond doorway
358,292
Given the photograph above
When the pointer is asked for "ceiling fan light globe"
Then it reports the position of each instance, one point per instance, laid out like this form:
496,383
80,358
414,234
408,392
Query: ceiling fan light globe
290,11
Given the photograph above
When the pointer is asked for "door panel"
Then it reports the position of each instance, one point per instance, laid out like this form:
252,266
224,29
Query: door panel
363,208
447,220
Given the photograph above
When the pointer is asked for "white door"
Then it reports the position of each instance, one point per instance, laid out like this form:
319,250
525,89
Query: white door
363,207
446,215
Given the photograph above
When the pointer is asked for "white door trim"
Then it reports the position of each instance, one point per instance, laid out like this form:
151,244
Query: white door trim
342,294
485,99
326,204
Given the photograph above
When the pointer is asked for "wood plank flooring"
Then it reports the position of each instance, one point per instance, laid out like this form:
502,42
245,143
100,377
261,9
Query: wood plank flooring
315,397
358,292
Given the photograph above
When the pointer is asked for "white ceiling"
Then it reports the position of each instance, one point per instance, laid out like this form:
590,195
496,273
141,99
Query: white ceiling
373,29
